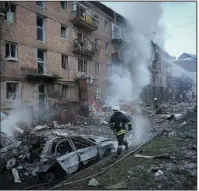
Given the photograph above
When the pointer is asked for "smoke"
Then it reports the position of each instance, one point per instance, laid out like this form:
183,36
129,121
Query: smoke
140,130
129,79
18,115
147,18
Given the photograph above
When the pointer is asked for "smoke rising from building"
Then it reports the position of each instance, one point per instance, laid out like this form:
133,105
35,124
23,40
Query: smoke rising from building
128,79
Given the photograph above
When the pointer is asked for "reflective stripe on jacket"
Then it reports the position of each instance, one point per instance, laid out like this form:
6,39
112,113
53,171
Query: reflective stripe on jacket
121,132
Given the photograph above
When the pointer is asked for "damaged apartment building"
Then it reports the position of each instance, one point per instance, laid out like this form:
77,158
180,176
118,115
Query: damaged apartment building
158,87
56,56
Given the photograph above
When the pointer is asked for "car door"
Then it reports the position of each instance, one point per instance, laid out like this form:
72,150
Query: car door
85,148
66,156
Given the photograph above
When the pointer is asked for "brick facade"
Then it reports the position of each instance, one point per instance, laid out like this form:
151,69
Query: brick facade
23,32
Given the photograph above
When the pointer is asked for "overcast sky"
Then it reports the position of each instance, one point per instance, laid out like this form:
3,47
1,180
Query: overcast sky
177,39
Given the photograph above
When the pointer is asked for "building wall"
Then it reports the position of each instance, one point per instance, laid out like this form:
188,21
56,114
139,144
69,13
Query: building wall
24,32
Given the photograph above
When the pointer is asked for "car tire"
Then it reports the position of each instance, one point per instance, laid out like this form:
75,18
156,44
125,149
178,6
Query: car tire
49,177
107,153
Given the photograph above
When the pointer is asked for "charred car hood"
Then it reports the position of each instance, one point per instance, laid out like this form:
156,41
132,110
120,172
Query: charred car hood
97,139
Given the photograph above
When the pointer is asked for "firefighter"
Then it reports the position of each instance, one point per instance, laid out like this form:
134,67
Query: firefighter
117,123
155,102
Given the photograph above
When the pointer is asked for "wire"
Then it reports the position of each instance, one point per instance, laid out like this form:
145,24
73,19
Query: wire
179,26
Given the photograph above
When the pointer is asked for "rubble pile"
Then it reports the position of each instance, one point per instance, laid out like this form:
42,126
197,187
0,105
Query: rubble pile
96,112
26,154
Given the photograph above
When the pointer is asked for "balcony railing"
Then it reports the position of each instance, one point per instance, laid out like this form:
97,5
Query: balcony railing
84,20
35,74
83,47
117,34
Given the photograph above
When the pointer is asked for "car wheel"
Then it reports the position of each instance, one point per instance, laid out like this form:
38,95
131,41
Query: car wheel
49,177
107,152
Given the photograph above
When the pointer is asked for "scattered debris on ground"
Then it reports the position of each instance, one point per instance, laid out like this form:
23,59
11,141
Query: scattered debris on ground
34,154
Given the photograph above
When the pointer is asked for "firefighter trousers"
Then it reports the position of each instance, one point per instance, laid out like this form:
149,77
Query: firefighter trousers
121,142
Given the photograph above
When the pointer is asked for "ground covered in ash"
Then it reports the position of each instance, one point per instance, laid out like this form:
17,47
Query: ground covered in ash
177,169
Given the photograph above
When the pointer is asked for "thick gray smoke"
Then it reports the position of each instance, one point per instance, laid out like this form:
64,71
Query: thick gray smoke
147,18
128,80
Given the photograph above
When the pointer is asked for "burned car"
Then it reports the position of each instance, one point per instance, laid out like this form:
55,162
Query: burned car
8,151
66,155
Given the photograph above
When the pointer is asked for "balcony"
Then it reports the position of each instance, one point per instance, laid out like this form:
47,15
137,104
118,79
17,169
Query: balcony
83,47
36,75
84,18
117,34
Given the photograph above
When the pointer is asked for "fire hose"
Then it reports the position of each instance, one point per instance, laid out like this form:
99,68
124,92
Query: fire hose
97,174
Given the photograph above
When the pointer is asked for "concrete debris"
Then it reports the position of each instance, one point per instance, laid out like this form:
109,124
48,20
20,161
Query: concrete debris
155,168
194,147
93,182
41,127
39,154
165,156
33,152
11,163
15,174
120,185
184,123
159,173
171,134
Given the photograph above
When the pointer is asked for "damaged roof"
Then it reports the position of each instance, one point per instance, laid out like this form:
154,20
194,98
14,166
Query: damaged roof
119,18
187,64
187,55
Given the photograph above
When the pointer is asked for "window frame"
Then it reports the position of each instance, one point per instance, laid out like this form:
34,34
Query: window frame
17,91
41,62
43,4
66,32
43,28
65,5
84,64
109,67
106,27
16,51
97,68
8,12
66,64
107,48
65,92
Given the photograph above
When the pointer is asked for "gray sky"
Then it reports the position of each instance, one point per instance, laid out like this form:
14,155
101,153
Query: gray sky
177,39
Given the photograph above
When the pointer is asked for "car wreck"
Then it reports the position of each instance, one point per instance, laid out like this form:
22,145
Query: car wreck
67,155
8,150
53,157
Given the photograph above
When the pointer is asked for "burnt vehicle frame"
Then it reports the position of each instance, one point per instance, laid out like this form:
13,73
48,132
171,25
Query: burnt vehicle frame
62,156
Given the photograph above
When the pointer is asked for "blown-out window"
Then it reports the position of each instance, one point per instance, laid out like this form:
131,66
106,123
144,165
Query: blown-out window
12,90
41,32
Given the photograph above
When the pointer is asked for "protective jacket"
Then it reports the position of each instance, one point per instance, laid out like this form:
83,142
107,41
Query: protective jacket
117,123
